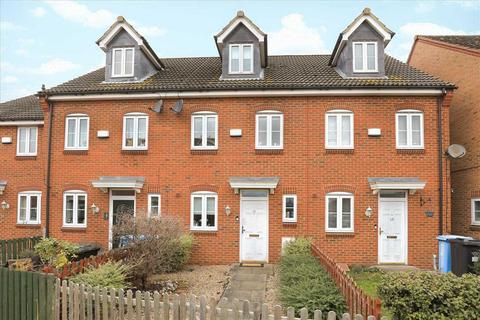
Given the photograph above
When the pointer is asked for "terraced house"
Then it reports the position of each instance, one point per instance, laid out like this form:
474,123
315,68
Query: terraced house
247,149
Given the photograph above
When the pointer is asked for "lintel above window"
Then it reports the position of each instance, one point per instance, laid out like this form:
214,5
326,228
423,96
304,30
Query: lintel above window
123,62
365,57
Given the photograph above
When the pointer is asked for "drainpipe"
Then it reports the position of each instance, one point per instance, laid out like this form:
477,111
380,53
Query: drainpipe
49,162
440,161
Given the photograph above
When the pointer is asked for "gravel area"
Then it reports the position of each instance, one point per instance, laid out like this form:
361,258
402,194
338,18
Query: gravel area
199,280
271,295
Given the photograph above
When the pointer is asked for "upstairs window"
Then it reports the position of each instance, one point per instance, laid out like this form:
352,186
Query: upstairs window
339,129
476,211
75,209
76,132
269,130
409,129
29,207
203,211
27,141
122,62
135,131
241,58
204,130
365,57
339,212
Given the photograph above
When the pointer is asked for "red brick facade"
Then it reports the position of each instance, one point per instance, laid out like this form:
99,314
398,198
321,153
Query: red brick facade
459,65
304,166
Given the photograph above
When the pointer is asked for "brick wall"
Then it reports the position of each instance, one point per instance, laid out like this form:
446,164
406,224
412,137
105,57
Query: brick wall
461,67
304,167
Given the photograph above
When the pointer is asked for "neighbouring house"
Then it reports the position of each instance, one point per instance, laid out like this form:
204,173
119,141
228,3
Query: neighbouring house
457,59
247,149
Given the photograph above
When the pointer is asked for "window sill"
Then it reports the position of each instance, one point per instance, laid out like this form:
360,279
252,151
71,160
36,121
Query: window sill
268,151
203,151
340,233
289,224
475,227
75,152
19,157
410,151
29,225
339,151
134,151
209,232
73,229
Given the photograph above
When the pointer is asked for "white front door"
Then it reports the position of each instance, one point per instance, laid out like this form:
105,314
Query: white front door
392,246
254,226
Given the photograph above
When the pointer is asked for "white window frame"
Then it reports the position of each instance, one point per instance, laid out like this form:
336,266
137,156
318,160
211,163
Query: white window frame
154,195
240,57
364,55
77,118
474,222
339,196
204,115
29,195
27,153
75,194
122,64
409,113
284,208
338,115
269,114
204,195
135,116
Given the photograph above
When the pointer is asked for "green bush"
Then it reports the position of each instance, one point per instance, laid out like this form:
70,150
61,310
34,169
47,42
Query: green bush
428,295
54,252
108,275
476,265
300,246
180,252
305,283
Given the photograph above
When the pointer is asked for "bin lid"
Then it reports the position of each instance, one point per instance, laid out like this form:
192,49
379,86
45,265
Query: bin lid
473,243
447,237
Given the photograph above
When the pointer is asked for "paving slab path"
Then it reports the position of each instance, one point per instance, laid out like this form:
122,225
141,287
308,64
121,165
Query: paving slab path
247,283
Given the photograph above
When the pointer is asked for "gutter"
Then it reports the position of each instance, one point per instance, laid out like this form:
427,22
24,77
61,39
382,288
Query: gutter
440,160
49,166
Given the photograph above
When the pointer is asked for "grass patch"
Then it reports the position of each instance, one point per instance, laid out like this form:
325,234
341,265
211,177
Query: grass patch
367,279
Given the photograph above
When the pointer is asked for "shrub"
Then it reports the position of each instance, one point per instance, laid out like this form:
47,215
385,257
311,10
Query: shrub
476,264
300,246
108,275
305,283
428,295
54,252
157,246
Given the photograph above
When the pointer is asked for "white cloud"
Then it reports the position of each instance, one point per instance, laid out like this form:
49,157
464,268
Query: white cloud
403,41
424,6
26,42
152,31
10,26
295,37
38,12
76,12
9,79
22,52
54,66
464,3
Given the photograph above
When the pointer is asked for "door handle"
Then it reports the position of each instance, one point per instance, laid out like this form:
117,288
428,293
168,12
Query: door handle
380,231
243,229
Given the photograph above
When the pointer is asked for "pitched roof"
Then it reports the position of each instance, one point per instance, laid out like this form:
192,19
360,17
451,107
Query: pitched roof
283,72
472,42
25,108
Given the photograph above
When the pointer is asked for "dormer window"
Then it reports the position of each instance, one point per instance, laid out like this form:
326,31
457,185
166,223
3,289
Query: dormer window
241,58
122,62
365,57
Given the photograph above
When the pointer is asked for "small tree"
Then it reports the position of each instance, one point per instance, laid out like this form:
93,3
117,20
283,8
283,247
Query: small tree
156,245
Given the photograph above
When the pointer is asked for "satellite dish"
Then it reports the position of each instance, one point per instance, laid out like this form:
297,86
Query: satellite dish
178,106
456,151
158,107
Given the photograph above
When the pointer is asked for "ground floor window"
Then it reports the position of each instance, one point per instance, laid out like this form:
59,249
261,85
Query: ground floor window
203,211
339,212
289,208
29,207
476,211
75,209
154,205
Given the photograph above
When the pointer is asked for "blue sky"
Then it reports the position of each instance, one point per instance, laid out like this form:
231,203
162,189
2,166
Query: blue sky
53,41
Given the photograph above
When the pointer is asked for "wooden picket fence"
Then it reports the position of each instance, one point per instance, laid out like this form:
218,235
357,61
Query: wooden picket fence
26,295
75,301
357,300
10,249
